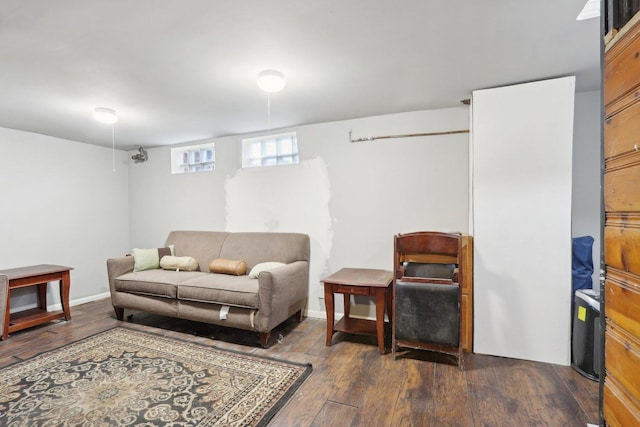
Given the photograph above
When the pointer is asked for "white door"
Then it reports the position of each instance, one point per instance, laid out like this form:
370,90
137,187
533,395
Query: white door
521,173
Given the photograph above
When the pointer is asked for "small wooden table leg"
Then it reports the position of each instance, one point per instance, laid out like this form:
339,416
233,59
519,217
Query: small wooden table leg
347,305
7,309
380,306
42,296
389,297
329,307
65,284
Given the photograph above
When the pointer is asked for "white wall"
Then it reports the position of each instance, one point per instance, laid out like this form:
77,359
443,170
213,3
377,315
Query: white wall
61,204
587,163
351,198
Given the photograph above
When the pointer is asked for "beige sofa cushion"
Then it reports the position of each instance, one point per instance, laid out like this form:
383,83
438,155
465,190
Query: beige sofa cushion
239,291
159,283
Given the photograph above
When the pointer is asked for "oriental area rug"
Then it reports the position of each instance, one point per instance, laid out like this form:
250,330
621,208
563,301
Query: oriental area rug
125,377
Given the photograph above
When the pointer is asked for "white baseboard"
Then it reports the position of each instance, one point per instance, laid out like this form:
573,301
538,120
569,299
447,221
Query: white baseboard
56,307
316,314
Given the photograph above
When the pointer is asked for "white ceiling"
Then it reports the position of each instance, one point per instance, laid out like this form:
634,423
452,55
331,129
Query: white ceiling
179,71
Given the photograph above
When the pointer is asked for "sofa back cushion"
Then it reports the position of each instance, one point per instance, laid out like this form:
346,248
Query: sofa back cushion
251,247
204,246
257,247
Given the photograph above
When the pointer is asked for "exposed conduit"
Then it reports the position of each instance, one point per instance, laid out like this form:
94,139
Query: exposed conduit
407,135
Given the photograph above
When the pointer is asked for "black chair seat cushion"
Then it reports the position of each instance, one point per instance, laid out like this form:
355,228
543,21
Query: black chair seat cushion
427,313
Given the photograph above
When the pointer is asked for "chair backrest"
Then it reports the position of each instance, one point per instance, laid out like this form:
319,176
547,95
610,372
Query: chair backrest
413,252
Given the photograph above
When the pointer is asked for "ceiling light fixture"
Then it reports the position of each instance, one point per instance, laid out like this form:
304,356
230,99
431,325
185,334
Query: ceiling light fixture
108,116
590,10
105,115
271,81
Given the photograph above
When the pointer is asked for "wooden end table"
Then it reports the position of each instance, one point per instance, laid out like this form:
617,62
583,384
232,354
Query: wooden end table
358,281
40,276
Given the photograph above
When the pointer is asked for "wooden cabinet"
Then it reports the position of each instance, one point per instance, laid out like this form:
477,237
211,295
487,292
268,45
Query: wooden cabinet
621,190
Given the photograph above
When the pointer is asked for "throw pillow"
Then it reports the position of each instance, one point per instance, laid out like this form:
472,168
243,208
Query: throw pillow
179,263
228,266
263,266
149,259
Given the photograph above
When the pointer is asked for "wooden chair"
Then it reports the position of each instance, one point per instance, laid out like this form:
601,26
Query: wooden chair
427,293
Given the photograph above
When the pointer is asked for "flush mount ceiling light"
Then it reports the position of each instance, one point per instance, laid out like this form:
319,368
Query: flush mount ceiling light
105,115
271,81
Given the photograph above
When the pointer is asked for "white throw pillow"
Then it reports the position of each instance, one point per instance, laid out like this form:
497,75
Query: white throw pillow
263,266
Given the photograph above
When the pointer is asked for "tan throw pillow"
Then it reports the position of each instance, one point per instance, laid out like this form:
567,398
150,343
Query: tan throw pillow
179,263
228,266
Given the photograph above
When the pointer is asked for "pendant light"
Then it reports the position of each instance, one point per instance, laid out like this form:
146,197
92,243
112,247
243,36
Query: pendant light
105,115
270,81
108,116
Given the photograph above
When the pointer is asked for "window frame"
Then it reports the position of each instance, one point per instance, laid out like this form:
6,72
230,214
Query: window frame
189,158
272,150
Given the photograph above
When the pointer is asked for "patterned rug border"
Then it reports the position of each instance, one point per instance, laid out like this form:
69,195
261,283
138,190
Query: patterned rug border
308,367
215,347
158,334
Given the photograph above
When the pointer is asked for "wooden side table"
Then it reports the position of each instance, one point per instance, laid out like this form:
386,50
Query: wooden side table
40,276
358,281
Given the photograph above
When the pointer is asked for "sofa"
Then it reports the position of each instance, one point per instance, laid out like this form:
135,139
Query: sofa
221,298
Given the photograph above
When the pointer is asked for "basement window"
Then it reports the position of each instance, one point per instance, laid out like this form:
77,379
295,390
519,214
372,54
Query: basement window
193,158
270,150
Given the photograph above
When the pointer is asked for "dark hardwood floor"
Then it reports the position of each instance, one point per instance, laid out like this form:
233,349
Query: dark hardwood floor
353,385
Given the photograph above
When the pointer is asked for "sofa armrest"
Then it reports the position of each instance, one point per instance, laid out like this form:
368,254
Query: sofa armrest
116,267
282,292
